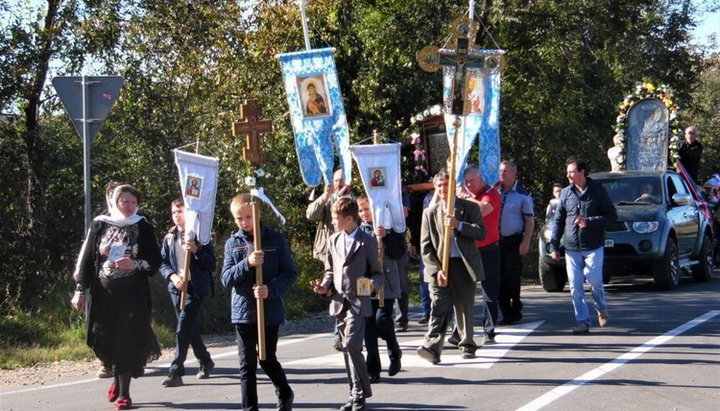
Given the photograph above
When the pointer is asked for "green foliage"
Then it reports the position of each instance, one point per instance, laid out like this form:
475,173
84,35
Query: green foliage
704,113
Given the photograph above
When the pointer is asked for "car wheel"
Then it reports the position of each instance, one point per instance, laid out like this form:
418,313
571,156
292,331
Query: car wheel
702,271
553,279
667,270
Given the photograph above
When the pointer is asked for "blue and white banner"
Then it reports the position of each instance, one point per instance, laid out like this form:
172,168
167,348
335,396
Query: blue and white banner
198,182
317,114
482,113
379,166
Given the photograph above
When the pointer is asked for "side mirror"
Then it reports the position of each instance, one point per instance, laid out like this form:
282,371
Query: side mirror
682,199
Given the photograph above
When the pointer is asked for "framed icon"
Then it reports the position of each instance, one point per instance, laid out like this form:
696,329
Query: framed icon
313,96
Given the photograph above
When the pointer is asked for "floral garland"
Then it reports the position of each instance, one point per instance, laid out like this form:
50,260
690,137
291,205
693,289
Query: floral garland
644,91
252,180
416,138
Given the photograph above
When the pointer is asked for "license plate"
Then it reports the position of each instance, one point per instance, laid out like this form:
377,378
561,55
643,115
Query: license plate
609,243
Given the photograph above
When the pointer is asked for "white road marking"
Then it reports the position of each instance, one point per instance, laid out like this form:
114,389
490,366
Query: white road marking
284,341
598,372
486,356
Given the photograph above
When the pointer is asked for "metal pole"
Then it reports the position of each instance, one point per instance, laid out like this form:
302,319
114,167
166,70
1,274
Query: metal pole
304,24
86,151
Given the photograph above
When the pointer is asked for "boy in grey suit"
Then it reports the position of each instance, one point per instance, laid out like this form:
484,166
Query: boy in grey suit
352,273
455,289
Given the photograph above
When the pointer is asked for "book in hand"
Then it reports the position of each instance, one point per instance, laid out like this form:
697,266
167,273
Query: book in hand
364,287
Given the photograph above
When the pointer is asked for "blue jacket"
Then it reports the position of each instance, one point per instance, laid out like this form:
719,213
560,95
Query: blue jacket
202,266
278,271
597,208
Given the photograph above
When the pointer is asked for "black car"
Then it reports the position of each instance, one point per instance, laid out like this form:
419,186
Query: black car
662,231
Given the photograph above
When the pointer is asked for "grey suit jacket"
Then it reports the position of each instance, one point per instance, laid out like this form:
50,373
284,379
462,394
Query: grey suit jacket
343,269
431,238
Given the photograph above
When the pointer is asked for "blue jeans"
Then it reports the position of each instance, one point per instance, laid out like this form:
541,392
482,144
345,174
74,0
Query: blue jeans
586,265
424,292
187,333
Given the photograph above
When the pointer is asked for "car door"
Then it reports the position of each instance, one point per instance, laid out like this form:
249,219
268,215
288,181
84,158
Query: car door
685,218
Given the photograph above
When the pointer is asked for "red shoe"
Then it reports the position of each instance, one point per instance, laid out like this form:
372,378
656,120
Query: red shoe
113,393
123,403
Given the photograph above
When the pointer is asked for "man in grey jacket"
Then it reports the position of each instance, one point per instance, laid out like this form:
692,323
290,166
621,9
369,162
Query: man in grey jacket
456,288
585,208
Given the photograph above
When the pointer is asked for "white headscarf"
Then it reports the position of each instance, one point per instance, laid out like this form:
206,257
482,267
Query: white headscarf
116,217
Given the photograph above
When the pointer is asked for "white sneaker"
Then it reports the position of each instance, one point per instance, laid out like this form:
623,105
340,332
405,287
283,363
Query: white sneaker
603,318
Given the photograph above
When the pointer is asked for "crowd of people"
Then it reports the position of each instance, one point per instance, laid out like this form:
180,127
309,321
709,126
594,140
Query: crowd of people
365,273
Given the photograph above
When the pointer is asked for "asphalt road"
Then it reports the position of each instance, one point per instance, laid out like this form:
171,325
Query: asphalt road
660,351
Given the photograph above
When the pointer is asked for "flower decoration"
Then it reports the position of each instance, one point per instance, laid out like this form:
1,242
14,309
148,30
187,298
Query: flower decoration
419,154
250,181
648,91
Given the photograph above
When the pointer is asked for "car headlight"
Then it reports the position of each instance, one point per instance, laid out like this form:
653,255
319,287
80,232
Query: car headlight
645,227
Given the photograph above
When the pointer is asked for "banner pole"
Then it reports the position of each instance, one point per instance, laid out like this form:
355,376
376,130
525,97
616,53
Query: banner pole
187,275
450,200
259,281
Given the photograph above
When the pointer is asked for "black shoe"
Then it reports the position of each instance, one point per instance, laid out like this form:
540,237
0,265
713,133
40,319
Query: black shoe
454,339
401,327
337,345
358,405
395,367
374,378
489,339
423,321
286,404
354,405
427,354
517,318
466,355
173,380
205,368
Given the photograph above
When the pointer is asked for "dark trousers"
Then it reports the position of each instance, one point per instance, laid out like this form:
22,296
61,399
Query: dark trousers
247,352
187,333
403,301
380,325
510,271
491,284
459,296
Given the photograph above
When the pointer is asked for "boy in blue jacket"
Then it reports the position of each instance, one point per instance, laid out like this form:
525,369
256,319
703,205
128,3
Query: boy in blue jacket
279,275
202,265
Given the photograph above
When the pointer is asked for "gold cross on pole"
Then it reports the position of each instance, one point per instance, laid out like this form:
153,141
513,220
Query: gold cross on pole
460,55
251,127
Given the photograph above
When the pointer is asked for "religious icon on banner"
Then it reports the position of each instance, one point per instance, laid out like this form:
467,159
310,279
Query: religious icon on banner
475,95
193,186
377,176
313,95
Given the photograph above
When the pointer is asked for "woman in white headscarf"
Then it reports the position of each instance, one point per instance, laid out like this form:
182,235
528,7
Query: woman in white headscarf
119,255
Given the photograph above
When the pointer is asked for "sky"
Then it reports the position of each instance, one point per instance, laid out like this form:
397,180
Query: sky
708,24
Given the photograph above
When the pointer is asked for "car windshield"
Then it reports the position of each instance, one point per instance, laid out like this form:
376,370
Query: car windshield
634,190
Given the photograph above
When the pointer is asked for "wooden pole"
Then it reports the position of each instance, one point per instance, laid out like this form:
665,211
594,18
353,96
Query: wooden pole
450,199
380,246
259,281
187,275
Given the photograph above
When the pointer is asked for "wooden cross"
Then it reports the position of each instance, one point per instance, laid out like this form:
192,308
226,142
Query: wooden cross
462,57
251,126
